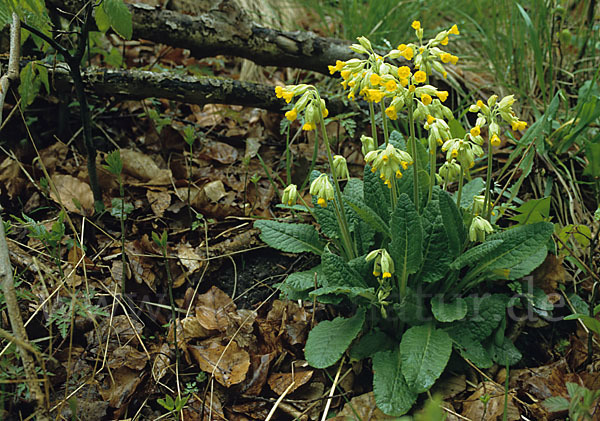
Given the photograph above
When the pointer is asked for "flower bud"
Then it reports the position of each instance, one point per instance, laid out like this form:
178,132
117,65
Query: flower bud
340,167
479,228
492,100
359,49
290,195
506,103
365,43
478,204
368,144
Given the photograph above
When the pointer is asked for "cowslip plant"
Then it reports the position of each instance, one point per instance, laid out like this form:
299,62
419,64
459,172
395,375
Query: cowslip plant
410,259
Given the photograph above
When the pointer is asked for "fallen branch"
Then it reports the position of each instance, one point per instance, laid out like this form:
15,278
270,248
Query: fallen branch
227,30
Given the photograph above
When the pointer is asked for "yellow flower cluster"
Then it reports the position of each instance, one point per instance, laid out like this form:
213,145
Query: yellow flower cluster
309,103
389,162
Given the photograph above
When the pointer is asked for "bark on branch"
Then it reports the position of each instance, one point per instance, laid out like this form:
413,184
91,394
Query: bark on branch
228,31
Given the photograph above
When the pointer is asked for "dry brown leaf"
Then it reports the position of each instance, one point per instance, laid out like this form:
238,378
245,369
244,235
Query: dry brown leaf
117,393
144,168
549,274
188,257
11,182
220,152
228,362
365,407
159,201
53,156
279,382
141,267
475,409
127,356
192,329
214,190
241,327
212,309
161,363
260,369
450,386
71,191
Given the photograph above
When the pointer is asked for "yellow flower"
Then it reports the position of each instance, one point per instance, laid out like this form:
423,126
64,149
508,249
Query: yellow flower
325,112
398,174
375,79
475,131
386,275
390,85
391,112
454,153
389,185
332,69
445,57
404,81
495,140
411,88
518,125
308,126
351,95
445,74
402,47
408,53
375,95
403,72
279,91
444,41
426,99
480,103
288,95
454,30
291,114
416,25
420,76
453,59
322,202
339,65
345,74
430,119
442,95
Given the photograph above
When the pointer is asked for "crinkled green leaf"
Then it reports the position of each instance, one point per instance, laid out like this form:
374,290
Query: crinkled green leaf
338,272
368,215
453,224
119,17
392,394
30,84
328,341
371,343
469,347
472,256
469,191
347,292
291,238
376,194
523,268
532,211
519,245
298,284
406,247
505,354
424,351
448,310
436,259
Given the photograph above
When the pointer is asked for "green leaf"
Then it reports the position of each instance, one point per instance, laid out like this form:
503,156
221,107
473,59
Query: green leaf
424,351
525,267
456,129
328,341
392,394
119,17
368,215
436,259
347,292
371,343
117,206
291,238
590,322
338,272
505,354
297,284
519,245
102,20
532,211
469,191
30,84
453,224
406,247
376,194
472,256
556,404
448,311
470,347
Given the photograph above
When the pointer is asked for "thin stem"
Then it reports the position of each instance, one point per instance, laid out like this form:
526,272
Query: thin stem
385,123
173,311
340,213
288,157
432,170
373,126
122,218
487,206
460,186
413,152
